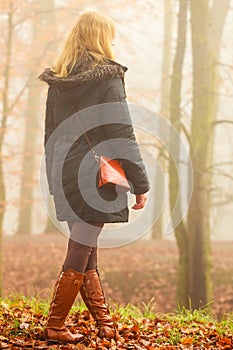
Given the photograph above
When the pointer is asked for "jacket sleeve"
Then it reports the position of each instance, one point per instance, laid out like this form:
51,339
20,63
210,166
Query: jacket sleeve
112,90
49,146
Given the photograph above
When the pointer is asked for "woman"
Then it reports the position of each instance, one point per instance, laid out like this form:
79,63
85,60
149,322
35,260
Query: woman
86,79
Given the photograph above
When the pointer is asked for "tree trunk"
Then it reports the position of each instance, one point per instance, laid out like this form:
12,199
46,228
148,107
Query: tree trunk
165,82
31,116
157,230
203,117
175,117
5,113
29,153
50,227
50,21
201,140
28,165
218,14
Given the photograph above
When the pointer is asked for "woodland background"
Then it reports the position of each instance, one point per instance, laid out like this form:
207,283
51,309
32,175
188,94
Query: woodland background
179,55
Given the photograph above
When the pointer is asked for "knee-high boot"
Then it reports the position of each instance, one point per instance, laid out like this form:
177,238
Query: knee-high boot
65,292
93,296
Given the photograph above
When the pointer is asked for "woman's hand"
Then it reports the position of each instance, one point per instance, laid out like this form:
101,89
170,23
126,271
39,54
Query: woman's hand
140,201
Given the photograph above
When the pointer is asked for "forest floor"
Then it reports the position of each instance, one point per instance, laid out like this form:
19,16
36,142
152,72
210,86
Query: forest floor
142,273
22,322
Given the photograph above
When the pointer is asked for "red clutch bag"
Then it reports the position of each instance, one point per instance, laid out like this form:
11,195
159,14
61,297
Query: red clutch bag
111,173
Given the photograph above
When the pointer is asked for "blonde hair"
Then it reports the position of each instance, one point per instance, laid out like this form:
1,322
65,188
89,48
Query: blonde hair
91,37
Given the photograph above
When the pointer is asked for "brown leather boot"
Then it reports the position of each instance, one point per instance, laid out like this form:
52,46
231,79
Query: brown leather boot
65,292
93,296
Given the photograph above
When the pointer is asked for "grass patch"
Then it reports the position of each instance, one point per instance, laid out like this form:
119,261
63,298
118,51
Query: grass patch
26,317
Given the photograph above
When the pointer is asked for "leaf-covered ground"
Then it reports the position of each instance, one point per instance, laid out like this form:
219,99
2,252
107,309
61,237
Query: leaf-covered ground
140,272
22,321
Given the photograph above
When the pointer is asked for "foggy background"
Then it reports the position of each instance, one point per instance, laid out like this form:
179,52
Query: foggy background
180,59
38,31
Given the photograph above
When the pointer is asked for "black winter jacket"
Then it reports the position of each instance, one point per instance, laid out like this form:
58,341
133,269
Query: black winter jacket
92,98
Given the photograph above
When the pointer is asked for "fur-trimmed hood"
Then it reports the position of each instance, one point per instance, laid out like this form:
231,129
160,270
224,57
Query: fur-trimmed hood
85,71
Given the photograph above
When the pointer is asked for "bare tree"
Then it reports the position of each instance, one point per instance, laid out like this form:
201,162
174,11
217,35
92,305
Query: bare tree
201,146
5,113
175,117
41,24
193,236
157,230
28,166
50,20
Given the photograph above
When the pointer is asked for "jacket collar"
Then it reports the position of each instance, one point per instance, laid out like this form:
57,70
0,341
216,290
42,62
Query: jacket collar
85,71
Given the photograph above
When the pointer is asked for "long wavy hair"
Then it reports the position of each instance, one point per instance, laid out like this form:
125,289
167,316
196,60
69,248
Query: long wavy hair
90,37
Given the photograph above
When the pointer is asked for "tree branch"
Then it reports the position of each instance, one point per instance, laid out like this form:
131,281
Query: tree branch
36,13
222,173
219,164
222,121
17,98
185,131
225,65
224,202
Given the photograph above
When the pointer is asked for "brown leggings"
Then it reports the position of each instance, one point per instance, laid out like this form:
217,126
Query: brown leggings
82,246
